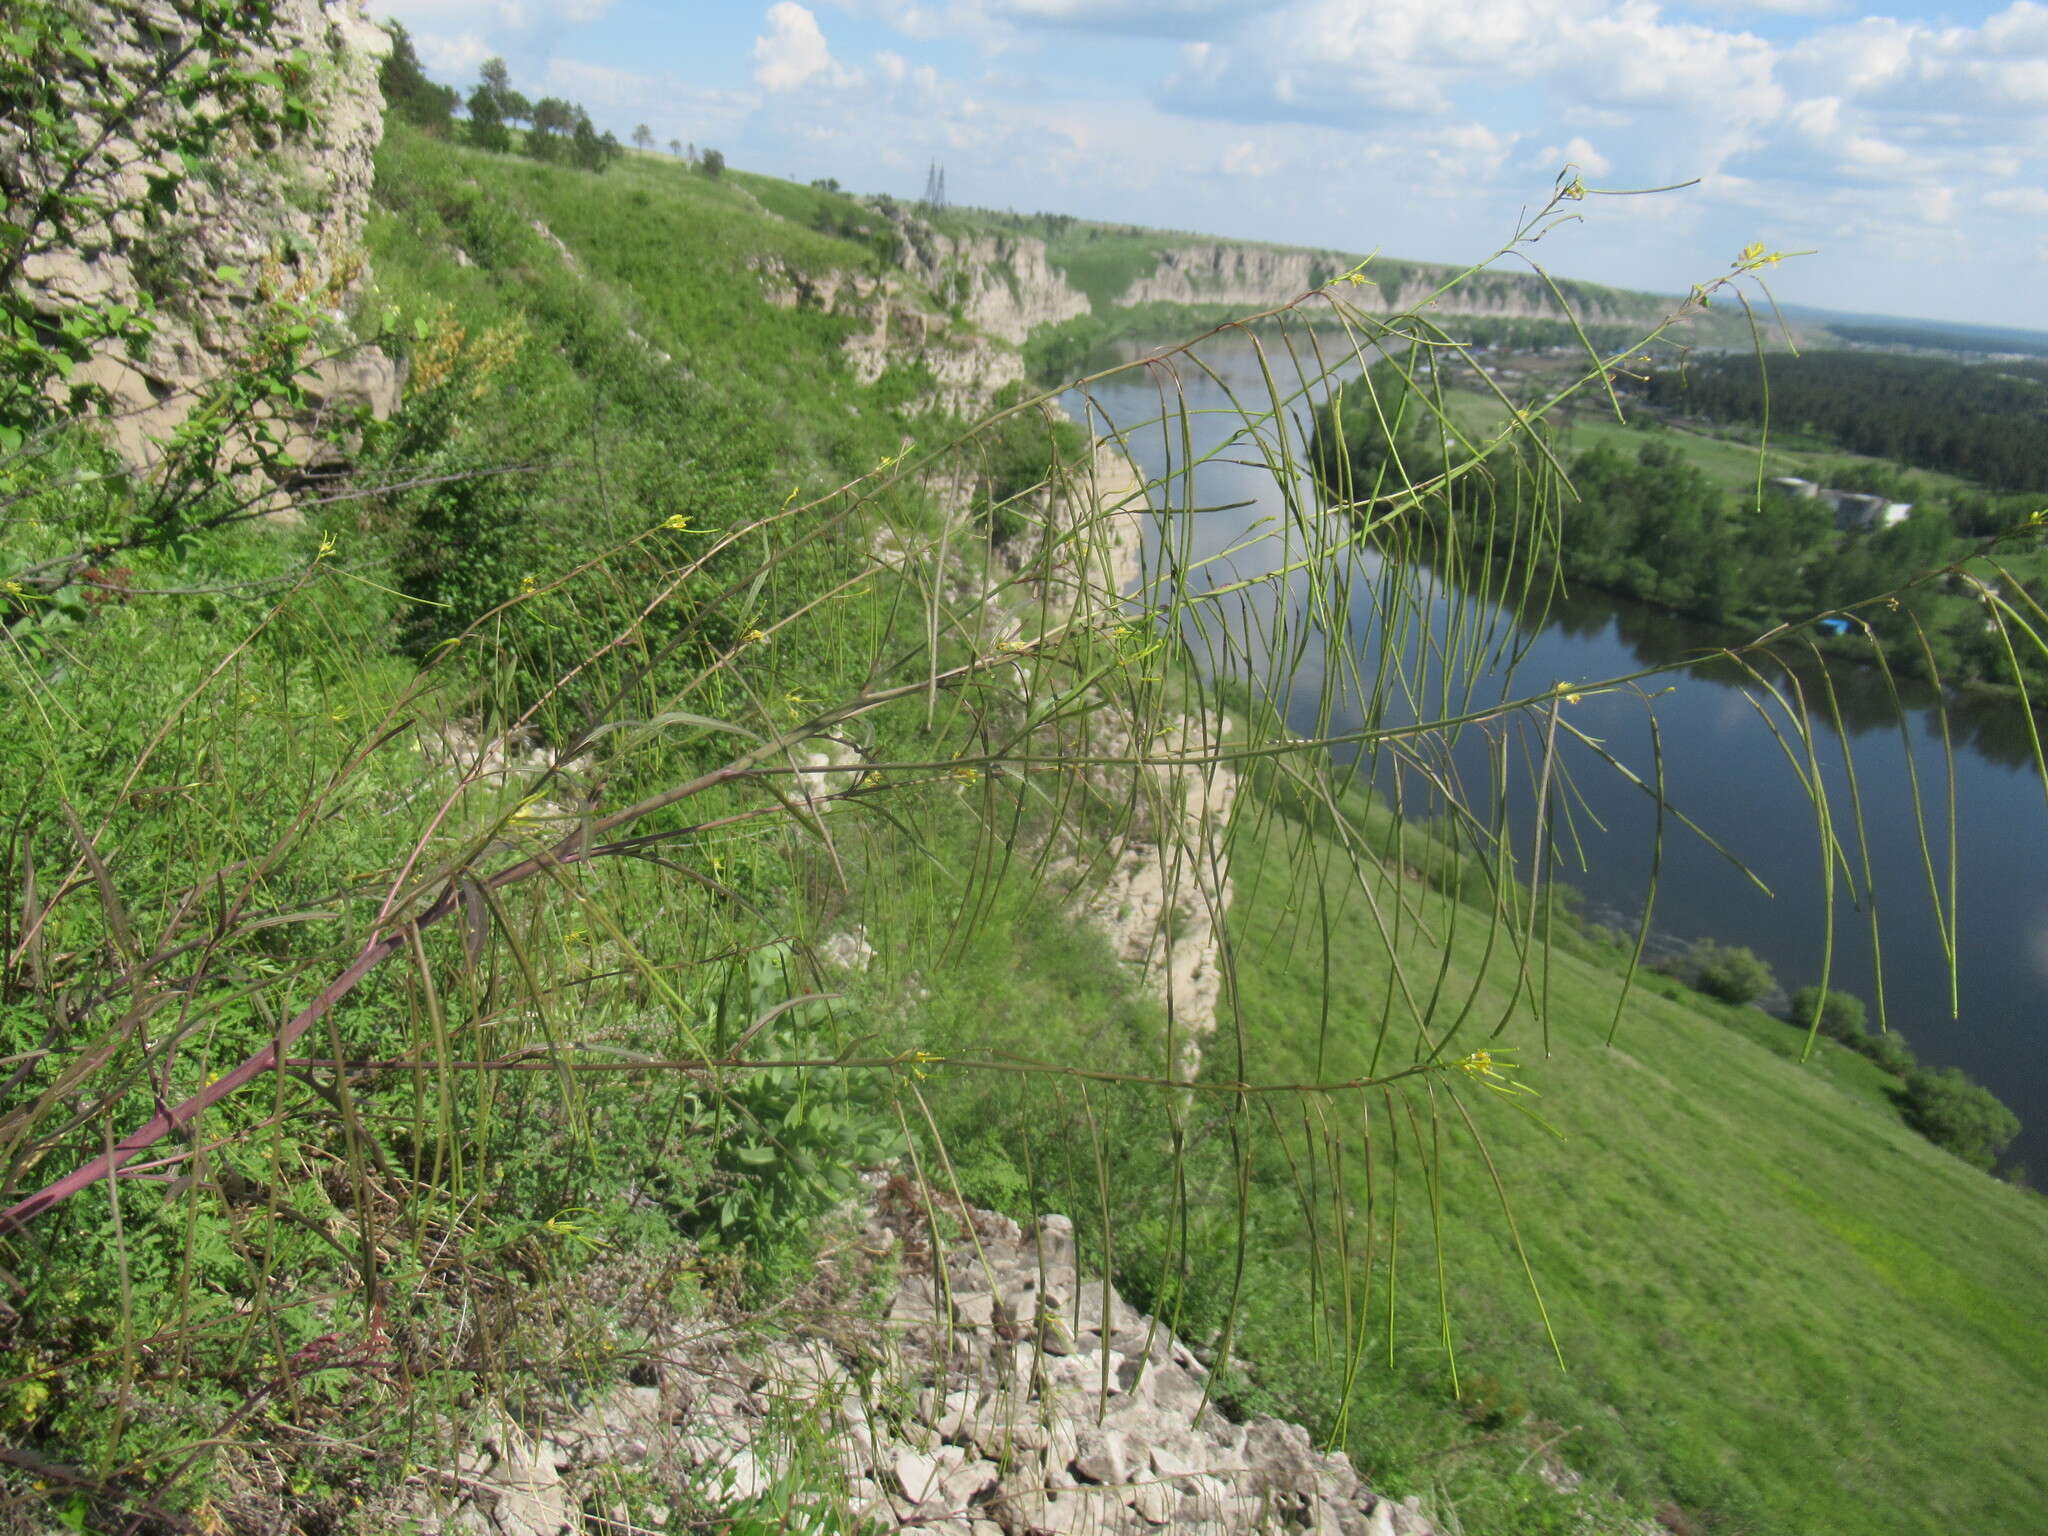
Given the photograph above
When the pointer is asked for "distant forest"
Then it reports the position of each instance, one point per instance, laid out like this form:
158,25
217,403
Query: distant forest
1933,336
1985,421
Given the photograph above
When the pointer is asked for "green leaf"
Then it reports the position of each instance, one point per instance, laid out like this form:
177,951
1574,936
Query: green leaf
231,275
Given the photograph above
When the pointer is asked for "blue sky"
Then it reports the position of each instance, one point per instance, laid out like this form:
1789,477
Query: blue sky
1908,148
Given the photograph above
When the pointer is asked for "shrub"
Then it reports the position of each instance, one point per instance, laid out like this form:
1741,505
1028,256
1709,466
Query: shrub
1842,1016
1889,1050
1730,972
1964,1117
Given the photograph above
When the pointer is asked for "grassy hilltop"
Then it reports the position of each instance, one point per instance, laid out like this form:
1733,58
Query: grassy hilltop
1779,1310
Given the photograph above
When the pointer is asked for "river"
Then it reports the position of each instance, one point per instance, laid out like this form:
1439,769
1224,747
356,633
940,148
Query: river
1724,767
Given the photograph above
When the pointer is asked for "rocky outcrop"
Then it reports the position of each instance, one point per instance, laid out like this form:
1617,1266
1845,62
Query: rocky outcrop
1261,276
993,1386
963,370
277,212
1248,275
1000,283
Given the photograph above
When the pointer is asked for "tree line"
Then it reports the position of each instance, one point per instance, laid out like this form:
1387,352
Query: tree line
1985,421
1652,525
553,130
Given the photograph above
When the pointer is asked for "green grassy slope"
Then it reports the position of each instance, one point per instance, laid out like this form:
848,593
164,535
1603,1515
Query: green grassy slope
1779,1308
1775,1302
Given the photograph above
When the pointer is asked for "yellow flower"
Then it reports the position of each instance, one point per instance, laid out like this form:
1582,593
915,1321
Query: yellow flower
754,637
527,584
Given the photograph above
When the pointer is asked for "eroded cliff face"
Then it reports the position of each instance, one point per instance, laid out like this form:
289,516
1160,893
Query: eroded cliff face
1257,277
1002,284
277,212
898,328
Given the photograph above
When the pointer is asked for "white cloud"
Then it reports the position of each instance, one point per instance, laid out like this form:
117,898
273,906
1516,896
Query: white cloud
599,85
2027,200
1138,18
451,55
1244,158
793,51
1578,152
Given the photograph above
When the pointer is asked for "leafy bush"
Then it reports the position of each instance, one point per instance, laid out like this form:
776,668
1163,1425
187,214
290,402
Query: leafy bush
1842,1016
1731,972
1964,1117
796,1137
1889,1050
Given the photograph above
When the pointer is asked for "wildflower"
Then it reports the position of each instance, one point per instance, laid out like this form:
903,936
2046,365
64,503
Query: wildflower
1490,1070
965,775
1013,647
15,588
327,546
754,637
1574,190
527,585
680,523
1568,693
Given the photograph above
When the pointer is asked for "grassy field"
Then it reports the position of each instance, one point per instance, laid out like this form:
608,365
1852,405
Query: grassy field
1775,1303
1729,462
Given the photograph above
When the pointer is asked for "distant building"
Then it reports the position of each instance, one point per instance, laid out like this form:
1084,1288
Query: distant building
1855,511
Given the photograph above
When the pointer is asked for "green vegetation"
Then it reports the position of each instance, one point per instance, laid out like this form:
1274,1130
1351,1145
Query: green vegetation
438,890
1730,972
1651,515
1838,1015
1711,1224
1985,421
1942,336
1953,1112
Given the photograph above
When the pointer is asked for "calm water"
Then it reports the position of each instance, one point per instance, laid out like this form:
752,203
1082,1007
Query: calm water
1723,765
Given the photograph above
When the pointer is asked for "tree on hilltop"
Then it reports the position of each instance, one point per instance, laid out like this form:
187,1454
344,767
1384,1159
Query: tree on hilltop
487,121
643,137
408,91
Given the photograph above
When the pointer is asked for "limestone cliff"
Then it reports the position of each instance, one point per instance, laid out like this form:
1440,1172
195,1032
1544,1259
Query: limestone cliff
899,328
278,210
1001,283
1260,276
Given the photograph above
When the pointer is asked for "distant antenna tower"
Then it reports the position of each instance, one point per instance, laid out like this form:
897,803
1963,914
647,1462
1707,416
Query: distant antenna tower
935,188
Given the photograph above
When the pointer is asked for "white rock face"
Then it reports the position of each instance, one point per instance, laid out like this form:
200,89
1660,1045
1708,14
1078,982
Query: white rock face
1001,283
1259,277
280,210
966,369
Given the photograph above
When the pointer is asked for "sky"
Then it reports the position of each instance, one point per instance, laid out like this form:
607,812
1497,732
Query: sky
1906,150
